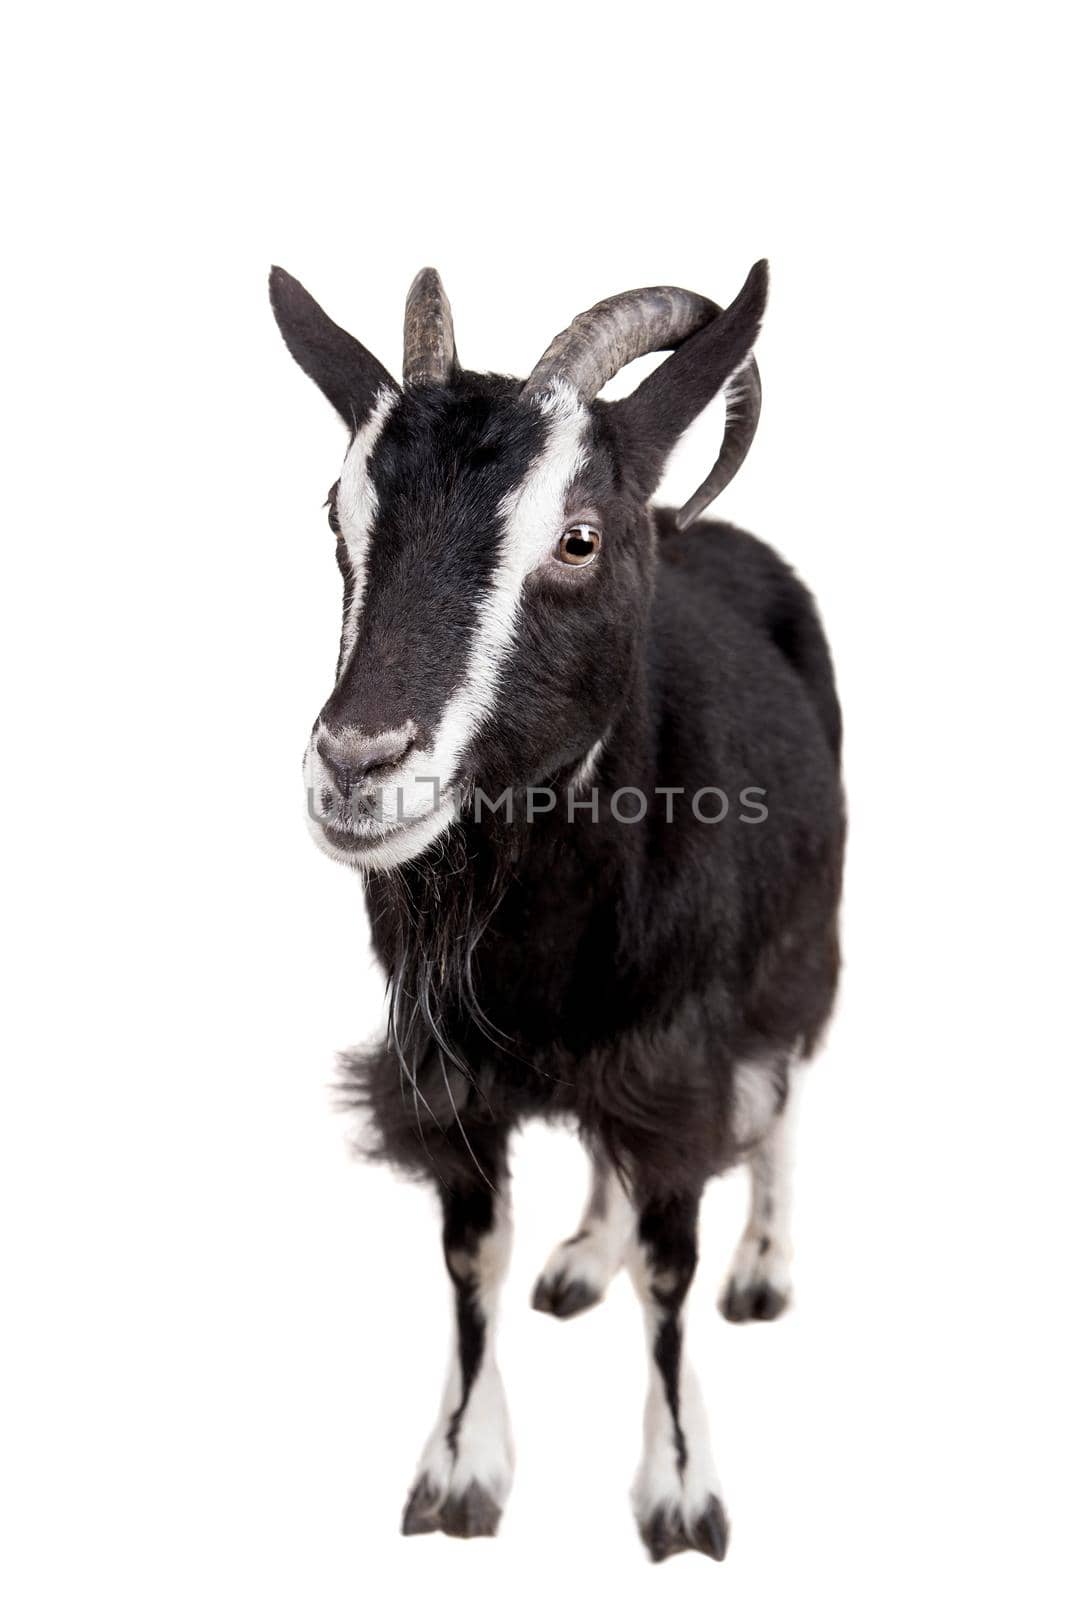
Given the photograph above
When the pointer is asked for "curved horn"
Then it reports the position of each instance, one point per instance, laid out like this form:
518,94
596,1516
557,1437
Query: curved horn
614,332
744,398
604,339
429,342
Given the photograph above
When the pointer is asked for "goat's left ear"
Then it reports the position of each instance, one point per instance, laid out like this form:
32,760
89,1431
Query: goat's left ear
659,411
348,375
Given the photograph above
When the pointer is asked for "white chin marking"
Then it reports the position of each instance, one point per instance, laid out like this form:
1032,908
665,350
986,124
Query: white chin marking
391,849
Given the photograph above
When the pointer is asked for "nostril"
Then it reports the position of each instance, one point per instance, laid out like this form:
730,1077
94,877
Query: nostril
332,759
386,760
351,757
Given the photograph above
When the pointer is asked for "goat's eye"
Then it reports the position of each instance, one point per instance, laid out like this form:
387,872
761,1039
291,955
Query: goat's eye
579,545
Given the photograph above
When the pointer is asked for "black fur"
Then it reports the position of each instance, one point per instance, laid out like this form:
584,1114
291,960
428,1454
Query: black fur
348,375
614,973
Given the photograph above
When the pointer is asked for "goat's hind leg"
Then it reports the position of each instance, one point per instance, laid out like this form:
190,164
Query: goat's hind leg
465,1471
578,1272
759,1285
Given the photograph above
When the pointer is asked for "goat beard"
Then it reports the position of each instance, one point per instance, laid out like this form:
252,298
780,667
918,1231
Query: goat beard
417,1083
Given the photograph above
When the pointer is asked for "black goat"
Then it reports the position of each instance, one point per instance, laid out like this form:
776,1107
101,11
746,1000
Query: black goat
588,764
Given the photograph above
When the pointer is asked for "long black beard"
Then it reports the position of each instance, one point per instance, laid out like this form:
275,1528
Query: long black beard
420,1084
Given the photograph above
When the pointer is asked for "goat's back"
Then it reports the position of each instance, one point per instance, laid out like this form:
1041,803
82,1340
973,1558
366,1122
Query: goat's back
754,582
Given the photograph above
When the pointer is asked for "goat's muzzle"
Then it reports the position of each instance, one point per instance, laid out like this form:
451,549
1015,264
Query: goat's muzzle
353,760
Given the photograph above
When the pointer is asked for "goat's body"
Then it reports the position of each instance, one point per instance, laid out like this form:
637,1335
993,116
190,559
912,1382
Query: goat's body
668,953
644,939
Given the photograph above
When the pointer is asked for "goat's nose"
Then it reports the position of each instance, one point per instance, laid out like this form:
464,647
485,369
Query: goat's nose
350,757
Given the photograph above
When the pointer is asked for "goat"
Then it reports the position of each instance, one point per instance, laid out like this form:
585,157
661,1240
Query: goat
541,681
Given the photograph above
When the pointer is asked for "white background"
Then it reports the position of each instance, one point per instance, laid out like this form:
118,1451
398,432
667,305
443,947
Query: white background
223,1339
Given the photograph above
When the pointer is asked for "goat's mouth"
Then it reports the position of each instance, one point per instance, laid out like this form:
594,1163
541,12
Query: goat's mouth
351,842
381,844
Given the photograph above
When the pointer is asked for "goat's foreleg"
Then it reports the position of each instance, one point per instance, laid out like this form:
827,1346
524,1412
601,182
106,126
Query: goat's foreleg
759,1284
465,1471
577,1273
676,1494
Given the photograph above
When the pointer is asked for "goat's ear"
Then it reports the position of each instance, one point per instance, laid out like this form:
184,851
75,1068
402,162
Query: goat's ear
348,375
659,411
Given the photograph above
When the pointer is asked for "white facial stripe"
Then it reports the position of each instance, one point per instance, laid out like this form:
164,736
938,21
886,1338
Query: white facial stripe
357,507
418,792
532,516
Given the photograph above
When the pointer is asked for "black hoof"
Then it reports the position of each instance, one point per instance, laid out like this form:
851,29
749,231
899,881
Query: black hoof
472,1515
711,1531
563,1297
665,1533
754,1302
422,1514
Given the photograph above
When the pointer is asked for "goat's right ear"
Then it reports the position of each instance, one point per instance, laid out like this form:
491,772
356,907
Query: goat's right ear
348,375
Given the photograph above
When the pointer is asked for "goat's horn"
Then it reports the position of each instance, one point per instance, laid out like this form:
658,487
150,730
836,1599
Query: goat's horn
744,397
429,342
608,336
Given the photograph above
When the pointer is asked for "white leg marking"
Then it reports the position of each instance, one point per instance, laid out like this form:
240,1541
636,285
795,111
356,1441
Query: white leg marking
759,1284
757,1096
464,1473
676,1493
578,1272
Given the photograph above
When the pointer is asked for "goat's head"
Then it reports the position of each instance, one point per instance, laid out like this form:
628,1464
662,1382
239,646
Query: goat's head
496,547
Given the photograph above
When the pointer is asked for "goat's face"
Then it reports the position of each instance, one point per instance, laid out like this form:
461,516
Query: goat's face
497,556
495,578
